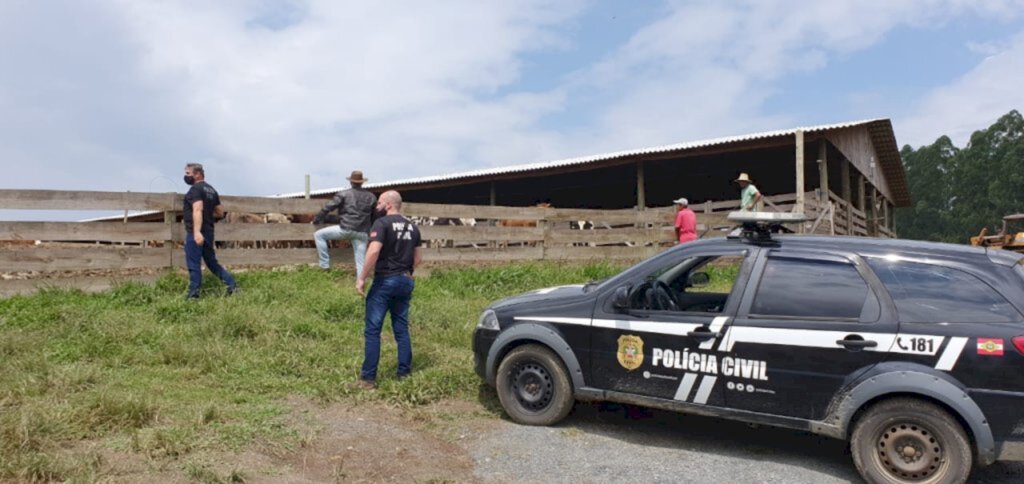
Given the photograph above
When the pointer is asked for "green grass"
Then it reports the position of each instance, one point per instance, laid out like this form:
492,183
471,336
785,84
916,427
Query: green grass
140,369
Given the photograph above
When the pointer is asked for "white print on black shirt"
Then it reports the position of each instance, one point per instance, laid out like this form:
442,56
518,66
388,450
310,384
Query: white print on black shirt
403,231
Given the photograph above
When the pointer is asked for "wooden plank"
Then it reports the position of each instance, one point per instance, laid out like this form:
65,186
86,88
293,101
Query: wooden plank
612,217
76,231
271,205
589,253
735,204
269,257
481,233
86,257
83,283
96,200
86,200
473,211
483,254
606,236
234,232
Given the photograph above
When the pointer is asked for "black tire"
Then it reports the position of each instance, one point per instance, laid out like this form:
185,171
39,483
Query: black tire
533,386
906,440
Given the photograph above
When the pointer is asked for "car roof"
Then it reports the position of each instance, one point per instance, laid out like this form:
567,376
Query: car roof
870,245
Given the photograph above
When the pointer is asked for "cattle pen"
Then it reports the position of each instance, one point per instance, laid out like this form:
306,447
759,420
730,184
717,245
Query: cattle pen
95,254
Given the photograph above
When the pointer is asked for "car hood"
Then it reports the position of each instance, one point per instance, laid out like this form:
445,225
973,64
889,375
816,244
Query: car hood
539,295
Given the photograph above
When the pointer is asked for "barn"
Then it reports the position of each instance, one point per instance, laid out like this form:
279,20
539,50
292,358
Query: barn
854,165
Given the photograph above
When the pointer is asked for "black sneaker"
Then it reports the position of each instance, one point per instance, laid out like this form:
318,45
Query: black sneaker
232,290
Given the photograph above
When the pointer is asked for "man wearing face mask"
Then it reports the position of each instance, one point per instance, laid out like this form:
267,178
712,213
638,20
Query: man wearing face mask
202,205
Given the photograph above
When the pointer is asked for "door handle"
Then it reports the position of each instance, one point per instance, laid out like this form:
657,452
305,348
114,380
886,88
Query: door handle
703,334
857,344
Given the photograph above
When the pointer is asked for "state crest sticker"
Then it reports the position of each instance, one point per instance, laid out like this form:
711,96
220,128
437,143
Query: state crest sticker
631,352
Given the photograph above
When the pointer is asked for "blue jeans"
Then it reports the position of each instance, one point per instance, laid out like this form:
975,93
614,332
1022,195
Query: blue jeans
335,232
388,294
194,255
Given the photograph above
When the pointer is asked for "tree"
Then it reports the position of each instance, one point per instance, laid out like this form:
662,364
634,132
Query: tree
957,192
928,169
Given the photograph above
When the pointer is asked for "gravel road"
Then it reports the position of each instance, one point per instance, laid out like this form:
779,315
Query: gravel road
609,443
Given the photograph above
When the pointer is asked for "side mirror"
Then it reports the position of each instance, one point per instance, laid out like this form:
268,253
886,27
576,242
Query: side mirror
698,279
620,298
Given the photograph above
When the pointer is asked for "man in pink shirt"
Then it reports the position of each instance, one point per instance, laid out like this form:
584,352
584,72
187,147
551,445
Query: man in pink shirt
686,221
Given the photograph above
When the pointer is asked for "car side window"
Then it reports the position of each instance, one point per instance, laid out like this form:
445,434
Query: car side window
926,293
697,284
810,288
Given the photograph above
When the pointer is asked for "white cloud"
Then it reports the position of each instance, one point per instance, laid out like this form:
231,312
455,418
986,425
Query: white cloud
119,95
971,102
397,87
707,69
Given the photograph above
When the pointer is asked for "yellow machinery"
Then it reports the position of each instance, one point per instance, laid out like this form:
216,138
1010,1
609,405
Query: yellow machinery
1005,239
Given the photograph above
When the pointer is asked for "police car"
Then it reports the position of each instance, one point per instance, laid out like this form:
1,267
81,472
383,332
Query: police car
912,351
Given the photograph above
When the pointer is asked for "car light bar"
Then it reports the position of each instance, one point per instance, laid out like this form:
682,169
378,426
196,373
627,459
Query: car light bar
767,217
758,227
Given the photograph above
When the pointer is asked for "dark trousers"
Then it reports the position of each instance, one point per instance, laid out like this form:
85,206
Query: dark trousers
388,294
195,255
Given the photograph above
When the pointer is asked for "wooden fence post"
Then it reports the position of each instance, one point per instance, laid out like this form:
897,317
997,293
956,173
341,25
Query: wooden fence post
170,217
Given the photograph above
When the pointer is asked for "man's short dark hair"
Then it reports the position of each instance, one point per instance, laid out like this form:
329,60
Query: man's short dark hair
196,168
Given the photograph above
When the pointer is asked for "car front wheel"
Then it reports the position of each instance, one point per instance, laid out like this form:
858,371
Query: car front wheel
533,386
910,441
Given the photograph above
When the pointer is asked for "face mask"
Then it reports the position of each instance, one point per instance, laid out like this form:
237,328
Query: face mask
189,179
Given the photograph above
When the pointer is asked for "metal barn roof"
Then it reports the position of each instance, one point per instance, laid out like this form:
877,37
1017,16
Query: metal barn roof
880,129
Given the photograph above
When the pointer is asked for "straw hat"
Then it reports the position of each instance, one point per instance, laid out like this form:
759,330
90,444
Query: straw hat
356,177
743,178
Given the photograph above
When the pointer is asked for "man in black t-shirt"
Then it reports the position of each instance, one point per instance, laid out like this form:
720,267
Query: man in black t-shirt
201,207
393,255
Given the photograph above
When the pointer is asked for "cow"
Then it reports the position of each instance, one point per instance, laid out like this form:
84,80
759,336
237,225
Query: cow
522,224
252,218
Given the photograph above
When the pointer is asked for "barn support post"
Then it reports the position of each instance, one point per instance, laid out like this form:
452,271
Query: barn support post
494,202
892,219
861,200
641,195
886,214
823,190
847,196
874,212
799,208
823,173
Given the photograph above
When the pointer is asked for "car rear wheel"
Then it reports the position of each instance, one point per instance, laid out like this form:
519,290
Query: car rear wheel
533,386
906,440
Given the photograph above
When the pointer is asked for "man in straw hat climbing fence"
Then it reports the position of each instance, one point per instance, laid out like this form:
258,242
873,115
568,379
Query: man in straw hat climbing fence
355,207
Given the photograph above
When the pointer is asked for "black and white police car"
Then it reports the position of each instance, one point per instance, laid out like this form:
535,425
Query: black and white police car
912,351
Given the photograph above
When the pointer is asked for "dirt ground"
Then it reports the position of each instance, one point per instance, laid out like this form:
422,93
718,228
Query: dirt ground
340,442
461,441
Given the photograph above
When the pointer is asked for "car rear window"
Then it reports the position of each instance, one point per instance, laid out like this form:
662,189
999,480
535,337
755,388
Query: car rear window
926,293
810,289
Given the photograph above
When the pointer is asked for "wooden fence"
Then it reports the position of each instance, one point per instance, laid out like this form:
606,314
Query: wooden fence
128,244
468,233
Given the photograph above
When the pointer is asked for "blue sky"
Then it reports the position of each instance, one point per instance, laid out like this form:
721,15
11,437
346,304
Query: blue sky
119,94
